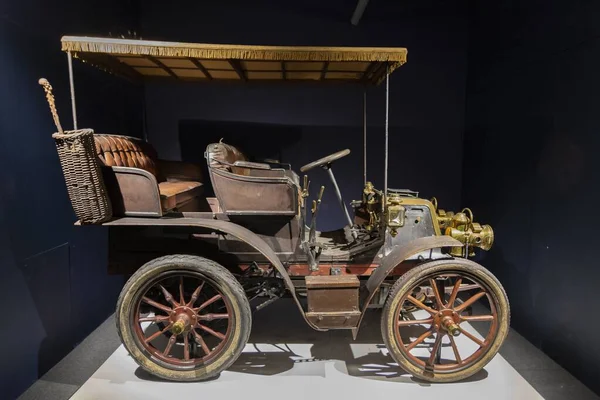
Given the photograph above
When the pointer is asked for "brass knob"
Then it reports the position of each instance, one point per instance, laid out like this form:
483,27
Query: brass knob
451,326
178,327
453,329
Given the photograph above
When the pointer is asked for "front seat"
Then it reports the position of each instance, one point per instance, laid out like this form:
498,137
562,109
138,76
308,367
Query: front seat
244,187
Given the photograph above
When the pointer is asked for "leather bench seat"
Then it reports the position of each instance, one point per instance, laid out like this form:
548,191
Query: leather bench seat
142,184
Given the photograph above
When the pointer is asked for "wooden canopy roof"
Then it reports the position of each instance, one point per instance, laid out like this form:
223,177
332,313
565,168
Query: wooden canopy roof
144,59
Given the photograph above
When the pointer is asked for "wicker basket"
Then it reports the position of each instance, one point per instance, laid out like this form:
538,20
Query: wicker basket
77,154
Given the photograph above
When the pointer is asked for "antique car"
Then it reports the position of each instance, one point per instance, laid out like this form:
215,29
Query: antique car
201,265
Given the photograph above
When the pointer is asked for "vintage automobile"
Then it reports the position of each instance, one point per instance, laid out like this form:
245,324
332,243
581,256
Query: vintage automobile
201,265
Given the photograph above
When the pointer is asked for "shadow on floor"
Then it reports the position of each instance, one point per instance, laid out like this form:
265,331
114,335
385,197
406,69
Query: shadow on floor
377,365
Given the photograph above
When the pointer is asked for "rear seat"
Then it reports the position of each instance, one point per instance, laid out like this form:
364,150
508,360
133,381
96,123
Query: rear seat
140,184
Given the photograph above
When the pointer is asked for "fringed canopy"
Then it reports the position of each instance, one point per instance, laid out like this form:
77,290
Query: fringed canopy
144,59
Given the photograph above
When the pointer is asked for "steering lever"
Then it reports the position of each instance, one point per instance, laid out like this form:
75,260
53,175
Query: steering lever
325,163
338,194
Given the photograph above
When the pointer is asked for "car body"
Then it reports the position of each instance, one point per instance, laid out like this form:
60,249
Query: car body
200,265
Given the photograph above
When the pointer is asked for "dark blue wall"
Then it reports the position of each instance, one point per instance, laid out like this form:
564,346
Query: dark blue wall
427,97
54,285
531,167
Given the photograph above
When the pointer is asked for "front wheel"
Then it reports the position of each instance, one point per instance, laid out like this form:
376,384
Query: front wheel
183,318
425,325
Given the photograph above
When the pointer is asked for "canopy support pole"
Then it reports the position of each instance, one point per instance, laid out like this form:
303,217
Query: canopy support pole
365,135
72,85
144,116
387,114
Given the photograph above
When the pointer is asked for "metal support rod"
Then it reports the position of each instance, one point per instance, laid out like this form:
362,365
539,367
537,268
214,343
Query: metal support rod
72,84
144,116
339,197
387,114
365,135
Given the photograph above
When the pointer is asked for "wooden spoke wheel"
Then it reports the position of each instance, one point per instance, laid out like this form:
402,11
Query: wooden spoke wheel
427,322
183,318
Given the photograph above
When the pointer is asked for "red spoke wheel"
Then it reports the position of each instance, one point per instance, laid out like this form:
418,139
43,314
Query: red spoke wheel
427,320
183,318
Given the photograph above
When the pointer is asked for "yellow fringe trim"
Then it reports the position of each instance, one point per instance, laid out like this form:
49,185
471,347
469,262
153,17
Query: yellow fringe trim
227,51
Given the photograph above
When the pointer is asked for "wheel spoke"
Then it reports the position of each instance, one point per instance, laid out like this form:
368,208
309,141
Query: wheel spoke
436,293
420,339
434,350
156,318
208,302
186,347
195,295
170,344
477,317
466,286
168,296
415,322
157,334
181,297
470,301
210,317
470,336
421,305
201,342
157,305
454,292
214,333
455,349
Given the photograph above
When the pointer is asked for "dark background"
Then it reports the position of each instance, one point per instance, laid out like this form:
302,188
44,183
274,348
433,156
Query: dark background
53,285
530,167
509,84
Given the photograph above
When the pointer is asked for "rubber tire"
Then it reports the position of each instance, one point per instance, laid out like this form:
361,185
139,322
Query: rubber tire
411,278
223,280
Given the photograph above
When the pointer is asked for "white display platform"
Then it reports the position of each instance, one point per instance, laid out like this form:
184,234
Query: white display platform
287,360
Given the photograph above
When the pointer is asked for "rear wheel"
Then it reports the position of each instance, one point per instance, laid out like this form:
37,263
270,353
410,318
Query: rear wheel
183,318
426,327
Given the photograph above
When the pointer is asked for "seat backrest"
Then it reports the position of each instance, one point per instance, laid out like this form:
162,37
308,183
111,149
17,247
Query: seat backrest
222,156
125,151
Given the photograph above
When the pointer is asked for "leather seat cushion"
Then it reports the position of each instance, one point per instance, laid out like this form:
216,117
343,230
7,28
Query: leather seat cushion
175,194
124,151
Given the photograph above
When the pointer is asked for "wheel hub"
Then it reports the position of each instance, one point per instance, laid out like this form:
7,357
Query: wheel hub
183,319
447,320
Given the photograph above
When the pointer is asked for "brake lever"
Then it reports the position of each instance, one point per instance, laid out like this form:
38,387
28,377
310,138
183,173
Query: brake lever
315,212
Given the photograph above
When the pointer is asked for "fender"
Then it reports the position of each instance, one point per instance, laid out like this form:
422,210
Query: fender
226,227
398,254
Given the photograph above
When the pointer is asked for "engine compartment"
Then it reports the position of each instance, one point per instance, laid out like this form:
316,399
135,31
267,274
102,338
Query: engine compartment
406,216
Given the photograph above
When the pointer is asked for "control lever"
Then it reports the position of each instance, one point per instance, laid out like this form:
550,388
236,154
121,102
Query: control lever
315,211
304,196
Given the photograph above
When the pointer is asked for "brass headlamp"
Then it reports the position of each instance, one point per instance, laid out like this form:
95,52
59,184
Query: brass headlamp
461,226
394,213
